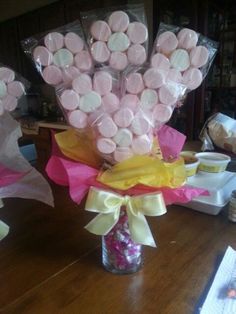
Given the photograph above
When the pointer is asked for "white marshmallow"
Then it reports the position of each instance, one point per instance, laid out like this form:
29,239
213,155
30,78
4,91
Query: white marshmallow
149,99
179,60
90,102
3,89
123,137
63,58
118,42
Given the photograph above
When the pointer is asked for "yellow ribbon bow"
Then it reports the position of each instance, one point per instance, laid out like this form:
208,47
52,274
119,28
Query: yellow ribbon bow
108,205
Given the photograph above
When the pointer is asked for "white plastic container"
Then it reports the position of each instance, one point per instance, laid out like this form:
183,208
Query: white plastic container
220,187
190,162
212,162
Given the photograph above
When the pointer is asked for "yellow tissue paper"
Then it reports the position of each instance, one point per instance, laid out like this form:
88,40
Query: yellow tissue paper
77,146
145,170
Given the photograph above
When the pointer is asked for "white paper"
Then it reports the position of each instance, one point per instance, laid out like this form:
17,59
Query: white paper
4,229
33,185
217,301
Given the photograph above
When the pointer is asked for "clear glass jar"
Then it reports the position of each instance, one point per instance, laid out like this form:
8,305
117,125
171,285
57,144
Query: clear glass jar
232,207
120,254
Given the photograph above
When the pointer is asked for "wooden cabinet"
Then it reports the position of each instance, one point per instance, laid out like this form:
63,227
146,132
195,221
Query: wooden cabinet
10,47
220,89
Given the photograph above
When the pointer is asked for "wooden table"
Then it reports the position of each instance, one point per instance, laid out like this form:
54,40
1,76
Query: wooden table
50,264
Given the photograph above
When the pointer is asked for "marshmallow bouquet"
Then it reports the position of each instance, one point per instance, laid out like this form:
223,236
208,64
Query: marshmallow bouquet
12,88
112,152
125,108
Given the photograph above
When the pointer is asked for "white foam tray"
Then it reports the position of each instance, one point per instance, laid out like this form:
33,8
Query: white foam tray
219,185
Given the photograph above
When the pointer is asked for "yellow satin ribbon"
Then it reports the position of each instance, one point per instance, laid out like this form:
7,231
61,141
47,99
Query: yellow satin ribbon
108,205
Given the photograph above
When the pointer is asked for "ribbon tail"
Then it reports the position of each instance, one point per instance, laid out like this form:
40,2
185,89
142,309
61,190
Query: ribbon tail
4,229
102,223
139,229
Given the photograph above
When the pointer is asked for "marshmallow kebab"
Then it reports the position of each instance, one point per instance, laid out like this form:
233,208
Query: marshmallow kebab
11,90
179,58
62,57
118,42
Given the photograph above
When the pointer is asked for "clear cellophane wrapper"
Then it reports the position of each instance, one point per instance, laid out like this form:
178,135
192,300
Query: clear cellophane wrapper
185,55
13,87
59,55
117,36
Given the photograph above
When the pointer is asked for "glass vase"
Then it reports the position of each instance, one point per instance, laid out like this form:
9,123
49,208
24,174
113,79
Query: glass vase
120,254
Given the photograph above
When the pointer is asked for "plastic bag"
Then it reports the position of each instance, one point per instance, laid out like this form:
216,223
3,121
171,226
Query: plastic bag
183,54
219,130
117,37
157,96
59,55
12,87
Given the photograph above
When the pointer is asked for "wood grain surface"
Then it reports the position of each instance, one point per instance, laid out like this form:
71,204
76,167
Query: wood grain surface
50,264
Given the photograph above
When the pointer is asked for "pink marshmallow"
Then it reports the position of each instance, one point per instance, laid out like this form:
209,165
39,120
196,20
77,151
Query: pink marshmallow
162,113
73,42
102,82
134,83
137,32
78,119
122,153
106,145
100,52
52,75
199,56
187,38
16,89
166,42
69,73
136,54
9,102
42,56
130,101
160,62
174,75
54,41
83,60
69,99
123,117
6,75
140,125
192,78
118,60
168,94
100,30
107,127
154,78
95,117
118,21
142,145
82,84
110,103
